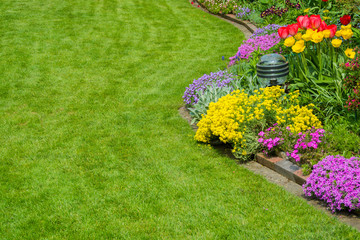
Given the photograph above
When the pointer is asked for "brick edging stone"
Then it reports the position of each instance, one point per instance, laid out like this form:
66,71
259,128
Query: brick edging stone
282,166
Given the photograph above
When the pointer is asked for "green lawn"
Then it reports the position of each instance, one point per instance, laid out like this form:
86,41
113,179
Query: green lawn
91,142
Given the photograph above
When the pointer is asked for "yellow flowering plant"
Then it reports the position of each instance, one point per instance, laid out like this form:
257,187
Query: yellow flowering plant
289,41
315,57
321,51
350,53
236,118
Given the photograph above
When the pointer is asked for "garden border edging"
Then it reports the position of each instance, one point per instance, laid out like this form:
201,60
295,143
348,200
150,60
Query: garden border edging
282,166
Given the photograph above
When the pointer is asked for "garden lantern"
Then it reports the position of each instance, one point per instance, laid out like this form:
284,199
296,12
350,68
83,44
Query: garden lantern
272,69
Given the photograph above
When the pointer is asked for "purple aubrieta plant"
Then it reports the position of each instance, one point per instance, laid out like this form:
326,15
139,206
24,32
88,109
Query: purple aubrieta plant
243,12
269,29
220,78
336,180
250,45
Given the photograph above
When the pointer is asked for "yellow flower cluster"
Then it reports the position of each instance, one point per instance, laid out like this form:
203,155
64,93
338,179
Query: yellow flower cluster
302,119
299,46
316,36
234,114
350,53
345,32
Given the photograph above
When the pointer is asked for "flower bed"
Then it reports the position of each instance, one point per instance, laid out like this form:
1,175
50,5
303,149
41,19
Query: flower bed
262,13
336,180
309,119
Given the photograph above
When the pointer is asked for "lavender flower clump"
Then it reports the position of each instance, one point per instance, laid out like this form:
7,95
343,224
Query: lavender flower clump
243,12
269,29
336,180
261,43
221,79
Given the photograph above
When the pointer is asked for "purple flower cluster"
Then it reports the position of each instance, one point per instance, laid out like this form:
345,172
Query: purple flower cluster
221,79
270,138
273,11
269,29
306,142
336,180
243,12
250,45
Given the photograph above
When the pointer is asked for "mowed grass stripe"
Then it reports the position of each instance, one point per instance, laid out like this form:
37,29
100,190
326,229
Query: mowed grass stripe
92,145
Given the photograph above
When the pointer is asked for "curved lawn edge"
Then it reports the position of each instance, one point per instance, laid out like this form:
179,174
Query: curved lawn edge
251,27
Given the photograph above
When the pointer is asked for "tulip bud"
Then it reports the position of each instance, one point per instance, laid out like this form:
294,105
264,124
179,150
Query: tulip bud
283,32
345,20
315,21
323,26
293,29
303,21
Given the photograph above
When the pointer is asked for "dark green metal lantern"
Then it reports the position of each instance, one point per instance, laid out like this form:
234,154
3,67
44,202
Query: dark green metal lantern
272,69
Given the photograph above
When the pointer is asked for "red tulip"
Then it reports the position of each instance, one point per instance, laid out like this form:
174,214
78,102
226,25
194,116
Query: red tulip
293,29
283,32
324,0
323,26
303,21
332,29
315,21
345,20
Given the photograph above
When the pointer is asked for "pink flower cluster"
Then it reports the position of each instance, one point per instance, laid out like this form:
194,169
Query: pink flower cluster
306,142
336,180
296,146
269,139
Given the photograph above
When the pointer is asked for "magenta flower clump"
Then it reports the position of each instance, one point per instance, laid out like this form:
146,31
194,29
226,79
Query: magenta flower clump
336,180
307,141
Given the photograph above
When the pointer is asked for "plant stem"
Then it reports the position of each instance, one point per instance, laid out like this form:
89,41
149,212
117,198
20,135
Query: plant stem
331,56
303,60
355,115
320,61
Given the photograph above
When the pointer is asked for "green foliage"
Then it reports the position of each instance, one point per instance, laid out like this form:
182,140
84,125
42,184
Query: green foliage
356,36
211,94
255,18
343,141
349,6
306,169
317,74
243,81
